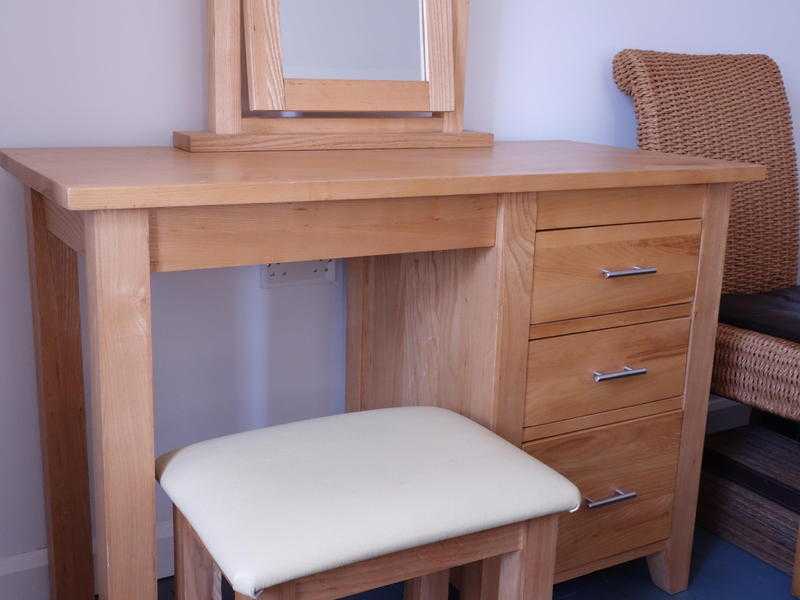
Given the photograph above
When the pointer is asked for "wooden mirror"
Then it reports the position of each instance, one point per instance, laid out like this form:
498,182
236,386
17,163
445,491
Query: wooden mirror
297,75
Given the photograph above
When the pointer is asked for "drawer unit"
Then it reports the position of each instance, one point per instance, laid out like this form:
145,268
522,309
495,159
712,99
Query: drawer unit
601,270
626,473
586,373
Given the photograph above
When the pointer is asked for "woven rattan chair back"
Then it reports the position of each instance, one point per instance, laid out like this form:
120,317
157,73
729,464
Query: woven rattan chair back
729,107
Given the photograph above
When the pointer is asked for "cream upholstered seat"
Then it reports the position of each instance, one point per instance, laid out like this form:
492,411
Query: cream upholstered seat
280,503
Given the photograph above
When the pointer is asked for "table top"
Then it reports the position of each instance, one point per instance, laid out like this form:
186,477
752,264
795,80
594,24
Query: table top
124,178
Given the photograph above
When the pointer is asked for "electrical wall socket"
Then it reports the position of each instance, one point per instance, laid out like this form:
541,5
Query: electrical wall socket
299,273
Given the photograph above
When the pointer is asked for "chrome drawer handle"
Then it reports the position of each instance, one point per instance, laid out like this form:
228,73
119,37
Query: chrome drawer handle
617,496
609,274
599,376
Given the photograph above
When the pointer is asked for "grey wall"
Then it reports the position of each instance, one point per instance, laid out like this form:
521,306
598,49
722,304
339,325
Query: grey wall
229,355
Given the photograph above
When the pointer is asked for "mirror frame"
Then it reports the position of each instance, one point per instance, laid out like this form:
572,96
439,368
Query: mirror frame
246,76
269,90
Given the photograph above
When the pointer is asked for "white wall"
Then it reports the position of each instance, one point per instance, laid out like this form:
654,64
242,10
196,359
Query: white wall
114,72
541,69
228,355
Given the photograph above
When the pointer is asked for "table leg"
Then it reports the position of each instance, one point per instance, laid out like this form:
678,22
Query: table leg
481,580
671,567
62,420
118,277
434,586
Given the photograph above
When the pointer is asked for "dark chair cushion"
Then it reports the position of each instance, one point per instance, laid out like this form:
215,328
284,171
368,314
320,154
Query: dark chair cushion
776,313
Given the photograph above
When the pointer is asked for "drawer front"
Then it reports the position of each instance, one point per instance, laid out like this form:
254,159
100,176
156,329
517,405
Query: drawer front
579,208
569,279
638,456
562,370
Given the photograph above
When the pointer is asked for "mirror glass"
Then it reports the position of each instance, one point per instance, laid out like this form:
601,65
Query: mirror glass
352,39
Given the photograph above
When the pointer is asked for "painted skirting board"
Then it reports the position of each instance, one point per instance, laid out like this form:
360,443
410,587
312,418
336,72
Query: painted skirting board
13,567
23,562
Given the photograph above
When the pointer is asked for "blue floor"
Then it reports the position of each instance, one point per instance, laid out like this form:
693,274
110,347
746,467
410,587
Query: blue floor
720,571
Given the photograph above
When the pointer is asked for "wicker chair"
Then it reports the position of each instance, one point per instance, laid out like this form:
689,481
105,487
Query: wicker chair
734,107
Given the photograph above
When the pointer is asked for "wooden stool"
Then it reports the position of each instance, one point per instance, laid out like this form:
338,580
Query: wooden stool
330,507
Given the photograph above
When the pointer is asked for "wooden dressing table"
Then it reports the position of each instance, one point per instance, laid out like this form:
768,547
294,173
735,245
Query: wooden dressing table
475,276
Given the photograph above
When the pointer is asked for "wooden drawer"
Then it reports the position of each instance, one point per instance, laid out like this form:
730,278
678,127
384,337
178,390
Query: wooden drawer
561,384
568,281
579,208
638,456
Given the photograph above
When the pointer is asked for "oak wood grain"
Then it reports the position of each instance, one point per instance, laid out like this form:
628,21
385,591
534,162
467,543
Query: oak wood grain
66,225
568,282
448,352
454,119
439,58
528,549
199,141
632,317
197,577
359,124
263,54
358,331
513,261
434,306
560,370
527,574
53,270
444,30
407,564
434,586
118,292
120,178
640,456
479,580
608,417
224,66
670,568
610,561
575,208
424,302
193,238
348,95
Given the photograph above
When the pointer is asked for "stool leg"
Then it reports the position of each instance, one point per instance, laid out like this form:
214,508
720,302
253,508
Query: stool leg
435,586
481,580
197,576
527,574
